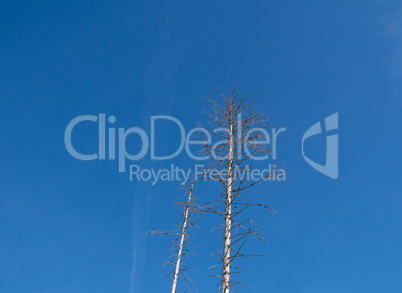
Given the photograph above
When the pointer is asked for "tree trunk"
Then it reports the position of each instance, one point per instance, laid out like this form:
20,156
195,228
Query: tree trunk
228,212
182,237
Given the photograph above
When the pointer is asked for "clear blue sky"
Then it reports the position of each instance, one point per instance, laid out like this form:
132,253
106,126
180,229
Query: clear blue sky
69,226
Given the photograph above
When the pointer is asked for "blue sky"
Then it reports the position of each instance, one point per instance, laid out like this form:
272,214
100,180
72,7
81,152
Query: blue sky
73,226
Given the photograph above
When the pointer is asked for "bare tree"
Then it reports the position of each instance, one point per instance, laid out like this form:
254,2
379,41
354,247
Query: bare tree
181,244
242,133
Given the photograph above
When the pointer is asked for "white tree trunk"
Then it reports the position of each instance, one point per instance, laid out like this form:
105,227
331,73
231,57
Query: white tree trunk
228,212
182,237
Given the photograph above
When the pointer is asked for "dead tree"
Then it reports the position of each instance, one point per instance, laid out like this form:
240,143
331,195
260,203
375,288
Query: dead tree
181,244
242,131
